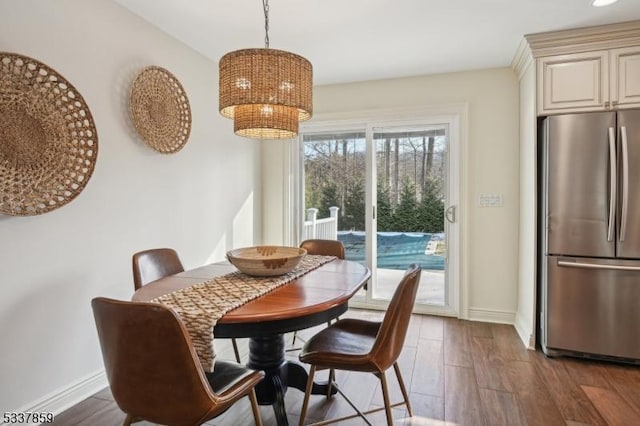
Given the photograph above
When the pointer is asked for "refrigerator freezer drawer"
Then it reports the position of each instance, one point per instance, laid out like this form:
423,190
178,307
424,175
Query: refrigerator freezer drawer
593,306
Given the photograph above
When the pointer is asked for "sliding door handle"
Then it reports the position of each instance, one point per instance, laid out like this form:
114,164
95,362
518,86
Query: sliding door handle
450,214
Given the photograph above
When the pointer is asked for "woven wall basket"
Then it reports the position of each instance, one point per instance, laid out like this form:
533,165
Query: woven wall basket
160,110
48,139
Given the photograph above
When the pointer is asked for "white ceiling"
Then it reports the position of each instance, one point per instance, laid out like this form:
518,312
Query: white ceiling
356,40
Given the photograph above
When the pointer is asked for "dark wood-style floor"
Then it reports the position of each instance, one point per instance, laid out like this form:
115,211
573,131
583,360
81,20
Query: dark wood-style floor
458,373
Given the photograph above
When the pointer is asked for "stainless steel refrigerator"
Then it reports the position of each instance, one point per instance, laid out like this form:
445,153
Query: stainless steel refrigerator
590,235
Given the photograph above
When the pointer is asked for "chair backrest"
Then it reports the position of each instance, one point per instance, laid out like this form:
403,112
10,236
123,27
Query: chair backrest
151,265
393,330
324,247
152,368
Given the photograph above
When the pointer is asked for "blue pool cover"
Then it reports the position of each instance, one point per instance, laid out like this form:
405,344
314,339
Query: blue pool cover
397,250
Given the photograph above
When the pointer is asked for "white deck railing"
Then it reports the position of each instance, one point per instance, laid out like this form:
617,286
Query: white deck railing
326,228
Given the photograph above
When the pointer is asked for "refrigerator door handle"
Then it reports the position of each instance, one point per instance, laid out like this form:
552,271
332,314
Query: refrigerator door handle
613,183
597,266
625,183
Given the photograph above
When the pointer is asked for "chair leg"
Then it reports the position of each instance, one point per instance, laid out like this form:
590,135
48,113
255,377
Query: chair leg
255,408
128,420
385,395
329,322
293,347
307,393
235,350
332,379
403,388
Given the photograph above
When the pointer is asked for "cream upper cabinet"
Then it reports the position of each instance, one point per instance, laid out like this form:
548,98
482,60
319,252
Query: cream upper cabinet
625,77
573,82
589,81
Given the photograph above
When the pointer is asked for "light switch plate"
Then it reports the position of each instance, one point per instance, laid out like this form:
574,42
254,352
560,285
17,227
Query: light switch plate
490,200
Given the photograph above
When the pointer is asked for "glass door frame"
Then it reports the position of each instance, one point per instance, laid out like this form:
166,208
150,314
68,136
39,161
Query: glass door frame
455,116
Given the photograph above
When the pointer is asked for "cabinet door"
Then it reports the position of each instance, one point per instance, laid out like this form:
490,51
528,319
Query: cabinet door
573,83
625,77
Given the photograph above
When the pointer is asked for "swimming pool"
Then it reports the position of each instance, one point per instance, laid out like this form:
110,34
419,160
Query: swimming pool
397,250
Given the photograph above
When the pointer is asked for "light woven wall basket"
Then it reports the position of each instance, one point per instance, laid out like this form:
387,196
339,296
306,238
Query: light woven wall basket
160,110
48,139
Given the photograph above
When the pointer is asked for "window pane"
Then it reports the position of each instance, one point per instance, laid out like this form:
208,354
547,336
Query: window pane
334,166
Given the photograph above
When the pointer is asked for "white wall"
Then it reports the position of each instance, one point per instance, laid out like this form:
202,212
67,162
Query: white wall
273,178
490,240
201,201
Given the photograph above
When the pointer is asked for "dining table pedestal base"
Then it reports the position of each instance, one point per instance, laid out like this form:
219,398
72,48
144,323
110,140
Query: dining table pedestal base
267,353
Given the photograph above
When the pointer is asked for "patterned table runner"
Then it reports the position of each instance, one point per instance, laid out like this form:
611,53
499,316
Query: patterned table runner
202,305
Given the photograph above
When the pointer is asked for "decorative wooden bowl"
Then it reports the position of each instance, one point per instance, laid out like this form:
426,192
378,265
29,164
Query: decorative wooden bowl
266,261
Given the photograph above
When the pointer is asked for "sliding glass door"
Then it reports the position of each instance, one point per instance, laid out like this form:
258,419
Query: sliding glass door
411,187
383,189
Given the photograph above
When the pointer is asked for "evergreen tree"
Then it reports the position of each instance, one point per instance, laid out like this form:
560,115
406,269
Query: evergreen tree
330,197
431,209
311,195
353,219
405,217
384,209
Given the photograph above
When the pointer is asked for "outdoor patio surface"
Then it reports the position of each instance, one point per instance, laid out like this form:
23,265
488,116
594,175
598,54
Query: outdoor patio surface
430,291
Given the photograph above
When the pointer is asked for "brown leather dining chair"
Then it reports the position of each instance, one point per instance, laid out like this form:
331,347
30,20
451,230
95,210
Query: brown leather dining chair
154,372
365,346
325,248
153,264
322,248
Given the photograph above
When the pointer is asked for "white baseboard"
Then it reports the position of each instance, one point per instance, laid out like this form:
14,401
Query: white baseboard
525,331
491,315
59,400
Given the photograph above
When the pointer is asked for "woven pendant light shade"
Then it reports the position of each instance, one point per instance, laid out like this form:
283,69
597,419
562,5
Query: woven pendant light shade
274,121
266,92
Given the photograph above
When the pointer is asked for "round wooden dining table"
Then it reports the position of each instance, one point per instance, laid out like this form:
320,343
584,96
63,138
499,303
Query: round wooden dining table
314,298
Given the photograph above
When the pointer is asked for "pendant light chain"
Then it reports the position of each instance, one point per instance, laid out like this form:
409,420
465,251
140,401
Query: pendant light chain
265,6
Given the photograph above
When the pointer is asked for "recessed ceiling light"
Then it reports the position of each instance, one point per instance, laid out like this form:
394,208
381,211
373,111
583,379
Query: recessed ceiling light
600,3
